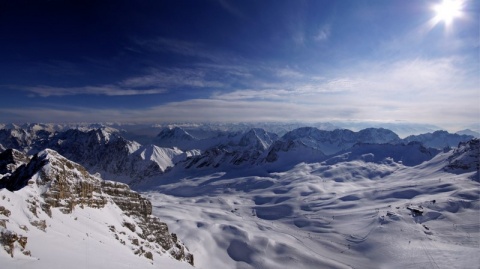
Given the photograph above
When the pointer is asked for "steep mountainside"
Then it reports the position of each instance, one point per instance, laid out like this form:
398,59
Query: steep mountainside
48,196
240,149
112,155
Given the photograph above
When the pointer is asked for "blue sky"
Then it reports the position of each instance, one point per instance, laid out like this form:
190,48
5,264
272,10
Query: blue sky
225,60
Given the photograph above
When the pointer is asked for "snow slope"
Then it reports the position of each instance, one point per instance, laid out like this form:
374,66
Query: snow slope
349,214
78,240
53,214
253,201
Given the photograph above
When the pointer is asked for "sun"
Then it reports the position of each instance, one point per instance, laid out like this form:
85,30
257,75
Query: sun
448,10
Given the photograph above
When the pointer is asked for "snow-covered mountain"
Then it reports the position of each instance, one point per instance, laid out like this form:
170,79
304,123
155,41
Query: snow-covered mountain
403,129
178,137
21,139
330,142
286,153
105,151
411,154
10,160
53,213
239,198
362,211
465,158
174,135
439,139
234,150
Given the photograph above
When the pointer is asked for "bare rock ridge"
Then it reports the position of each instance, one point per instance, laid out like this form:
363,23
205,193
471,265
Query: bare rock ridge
67,186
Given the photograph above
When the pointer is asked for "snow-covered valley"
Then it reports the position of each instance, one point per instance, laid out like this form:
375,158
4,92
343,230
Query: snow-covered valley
349,215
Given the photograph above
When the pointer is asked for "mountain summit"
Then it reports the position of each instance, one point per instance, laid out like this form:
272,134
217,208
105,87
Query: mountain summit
58,197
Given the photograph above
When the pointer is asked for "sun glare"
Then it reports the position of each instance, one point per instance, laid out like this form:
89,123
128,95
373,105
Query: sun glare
448,10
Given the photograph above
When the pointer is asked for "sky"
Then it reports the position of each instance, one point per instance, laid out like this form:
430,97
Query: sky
414,61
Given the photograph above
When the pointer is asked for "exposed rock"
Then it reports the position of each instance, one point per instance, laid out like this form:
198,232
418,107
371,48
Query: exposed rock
149,255
4,211
416,210
9,239
64,185
40,224
129,201
11,159
465,158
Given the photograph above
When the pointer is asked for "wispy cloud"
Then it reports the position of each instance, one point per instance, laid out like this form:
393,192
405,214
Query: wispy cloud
153,82
174,77
231,8
185,48
323,33
287,73
416,90
108,90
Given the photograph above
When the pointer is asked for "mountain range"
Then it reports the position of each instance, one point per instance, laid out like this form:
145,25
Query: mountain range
238,197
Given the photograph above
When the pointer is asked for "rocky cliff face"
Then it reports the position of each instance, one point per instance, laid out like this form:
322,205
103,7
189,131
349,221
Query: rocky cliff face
52,183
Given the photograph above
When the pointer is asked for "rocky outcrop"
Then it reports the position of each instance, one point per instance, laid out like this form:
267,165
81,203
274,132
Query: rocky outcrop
63,184
131,202
151,229
465,158
11,159
10,241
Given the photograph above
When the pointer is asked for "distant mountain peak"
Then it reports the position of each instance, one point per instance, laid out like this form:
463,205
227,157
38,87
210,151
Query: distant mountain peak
257,138
175,133
469,132
439,139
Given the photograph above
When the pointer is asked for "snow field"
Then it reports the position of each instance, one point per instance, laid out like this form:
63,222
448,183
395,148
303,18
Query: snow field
345,215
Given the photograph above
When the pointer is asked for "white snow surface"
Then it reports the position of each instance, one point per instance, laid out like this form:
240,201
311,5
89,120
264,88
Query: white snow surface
164,157
370,206
78,240
351,214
